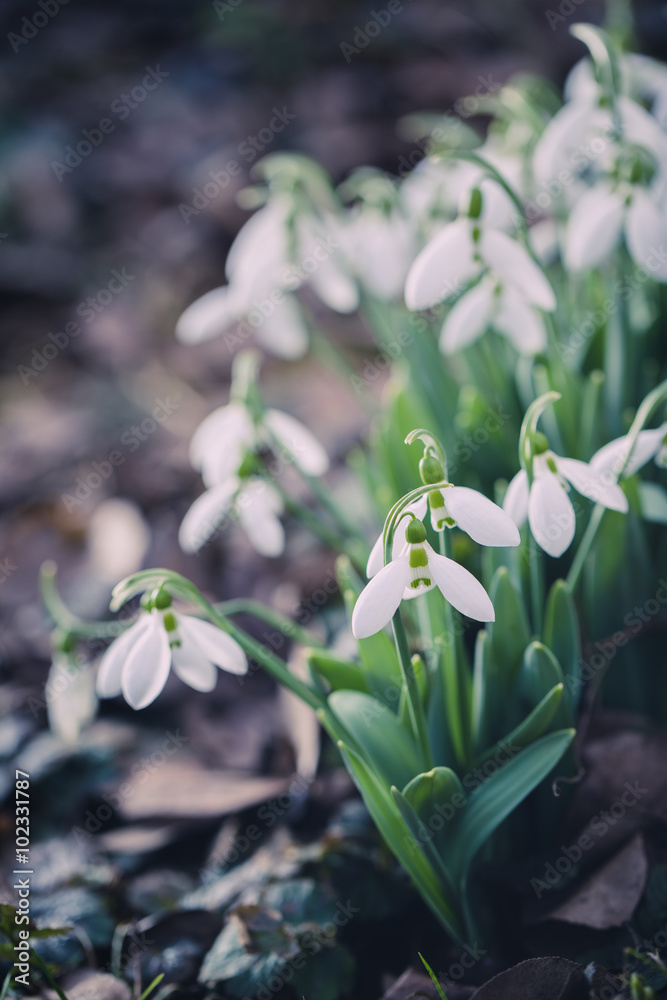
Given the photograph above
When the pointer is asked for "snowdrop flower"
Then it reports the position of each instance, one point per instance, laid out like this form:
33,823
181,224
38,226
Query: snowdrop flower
450,507
274,254
545,503
416,570
464,250
381,247
642,79
616,180
221,450
610,459
137,664
490,304
254,502
222,440
71,703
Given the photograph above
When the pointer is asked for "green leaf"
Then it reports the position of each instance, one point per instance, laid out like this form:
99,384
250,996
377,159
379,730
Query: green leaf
436,796
490,803
379,736
509,634
540,673
424,838
340,674
532,727
485,693
398,837
561,635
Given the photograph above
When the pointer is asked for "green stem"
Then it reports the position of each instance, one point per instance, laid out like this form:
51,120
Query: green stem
457,709
322,530
415,706
536,571
245,605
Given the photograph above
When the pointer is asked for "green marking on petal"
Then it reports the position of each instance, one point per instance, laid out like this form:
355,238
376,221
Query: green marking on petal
170,621
436,499
552,465
418,558
418,582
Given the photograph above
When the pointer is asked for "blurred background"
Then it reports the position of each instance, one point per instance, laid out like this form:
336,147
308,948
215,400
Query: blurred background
127,130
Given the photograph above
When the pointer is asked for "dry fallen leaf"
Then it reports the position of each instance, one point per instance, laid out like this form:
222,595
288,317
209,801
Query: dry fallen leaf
610,896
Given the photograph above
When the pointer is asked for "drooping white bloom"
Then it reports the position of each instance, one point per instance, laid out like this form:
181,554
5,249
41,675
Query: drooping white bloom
512,290
253,502
546,504
416,570
381,247
489,304
611,458
137,664
274,254
610,169
453,506
70,698
218,450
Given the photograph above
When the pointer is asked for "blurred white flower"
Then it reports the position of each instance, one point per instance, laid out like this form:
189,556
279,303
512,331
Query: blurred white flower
137,664
416,570
70,698
546,504
275,253
253,502
611,458
381,247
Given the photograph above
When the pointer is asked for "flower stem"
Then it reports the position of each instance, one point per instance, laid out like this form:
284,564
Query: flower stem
536,571
457,709
246,605
415,706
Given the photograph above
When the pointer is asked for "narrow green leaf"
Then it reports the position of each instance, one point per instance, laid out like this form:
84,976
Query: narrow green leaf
340,674
398,838
424,839
561,635
500,794
540,673
441,992
532,727
379,735
509,634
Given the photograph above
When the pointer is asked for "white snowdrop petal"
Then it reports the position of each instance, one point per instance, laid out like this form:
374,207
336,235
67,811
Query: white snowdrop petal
296,439
550,514
520,323
610,457
646,234
467,319
595,486
442,268
215,644
258,505
479,517
653,500
376,557
334,286
147,666
283,331
72,704
515,503
380,598
210,315
514,266
463,591
260,247
192,666
113,661
206,514
220,440
567,130
594,229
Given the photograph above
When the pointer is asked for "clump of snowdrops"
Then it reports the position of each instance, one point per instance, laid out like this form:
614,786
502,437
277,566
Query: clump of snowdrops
515,285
